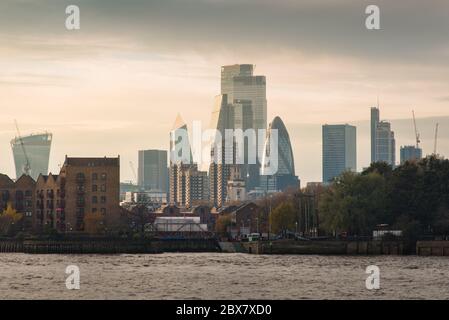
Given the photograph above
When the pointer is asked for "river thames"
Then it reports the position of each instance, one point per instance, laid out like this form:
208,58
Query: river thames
222,276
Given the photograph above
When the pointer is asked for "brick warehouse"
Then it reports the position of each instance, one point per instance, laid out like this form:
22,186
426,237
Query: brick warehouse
20,195
84,186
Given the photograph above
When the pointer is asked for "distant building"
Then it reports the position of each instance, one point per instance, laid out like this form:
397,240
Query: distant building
383,143
189,185
410,153
339,150
284,177
222,155
37,149
180,160
238,82
236,189
152,170
149,197
375,119
246,96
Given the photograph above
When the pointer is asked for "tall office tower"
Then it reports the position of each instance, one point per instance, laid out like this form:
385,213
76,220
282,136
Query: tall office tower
37,151
410,153
180,148
375,119
383,143
222,152
285,176
339,150
152,170
249,167
244,89
180,159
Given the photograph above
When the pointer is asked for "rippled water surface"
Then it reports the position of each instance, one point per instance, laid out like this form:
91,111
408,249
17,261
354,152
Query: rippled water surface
221,276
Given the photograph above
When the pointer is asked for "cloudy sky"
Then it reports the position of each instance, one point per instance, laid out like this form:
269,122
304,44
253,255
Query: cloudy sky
116,85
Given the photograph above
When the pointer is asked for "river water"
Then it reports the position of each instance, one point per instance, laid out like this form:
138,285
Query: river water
222,276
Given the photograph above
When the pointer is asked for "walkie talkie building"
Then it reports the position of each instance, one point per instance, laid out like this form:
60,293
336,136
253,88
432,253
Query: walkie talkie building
37,150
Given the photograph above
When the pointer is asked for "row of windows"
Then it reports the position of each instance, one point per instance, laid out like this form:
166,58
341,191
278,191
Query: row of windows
19,193
102,188
80,211
95,176
94,188
95,199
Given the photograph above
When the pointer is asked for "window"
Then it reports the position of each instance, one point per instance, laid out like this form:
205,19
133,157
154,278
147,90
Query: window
94,199
103,199
103,188
103,176
103,211
94,188
94,176
28,193
80,176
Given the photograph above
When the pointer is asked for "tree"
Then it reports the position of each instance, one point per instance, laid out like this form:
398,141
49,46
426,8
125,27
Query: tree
283,218
354,204
222,224
10,221
382,168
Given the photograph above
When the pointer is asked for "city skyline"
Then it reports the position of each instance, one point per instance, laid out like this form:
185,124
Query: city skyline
98,89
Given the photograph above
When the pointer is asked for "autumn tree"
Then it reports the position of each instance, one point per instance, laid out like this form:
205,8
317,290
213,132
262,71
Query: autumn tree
222,224
10,221
283,218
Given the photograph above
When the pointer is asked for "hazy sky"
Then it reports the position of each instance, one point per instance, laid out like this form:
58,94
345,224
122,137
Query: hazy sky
116,85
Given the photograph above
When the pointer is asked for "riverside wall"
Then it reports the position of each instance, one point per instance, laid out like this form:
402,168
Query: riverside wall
326,247
106,246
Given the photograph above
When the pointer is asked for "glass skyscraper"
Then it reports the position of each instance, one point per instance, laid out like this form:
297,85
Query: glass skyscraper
239,83
410,153
339,150
284,177
383,142
37,149
247,94
152,170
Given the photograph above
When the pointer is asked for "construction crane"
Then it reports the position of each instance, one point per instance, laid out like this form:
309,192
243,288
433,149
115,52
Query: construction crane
417,135
131,164
436,139
27,167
